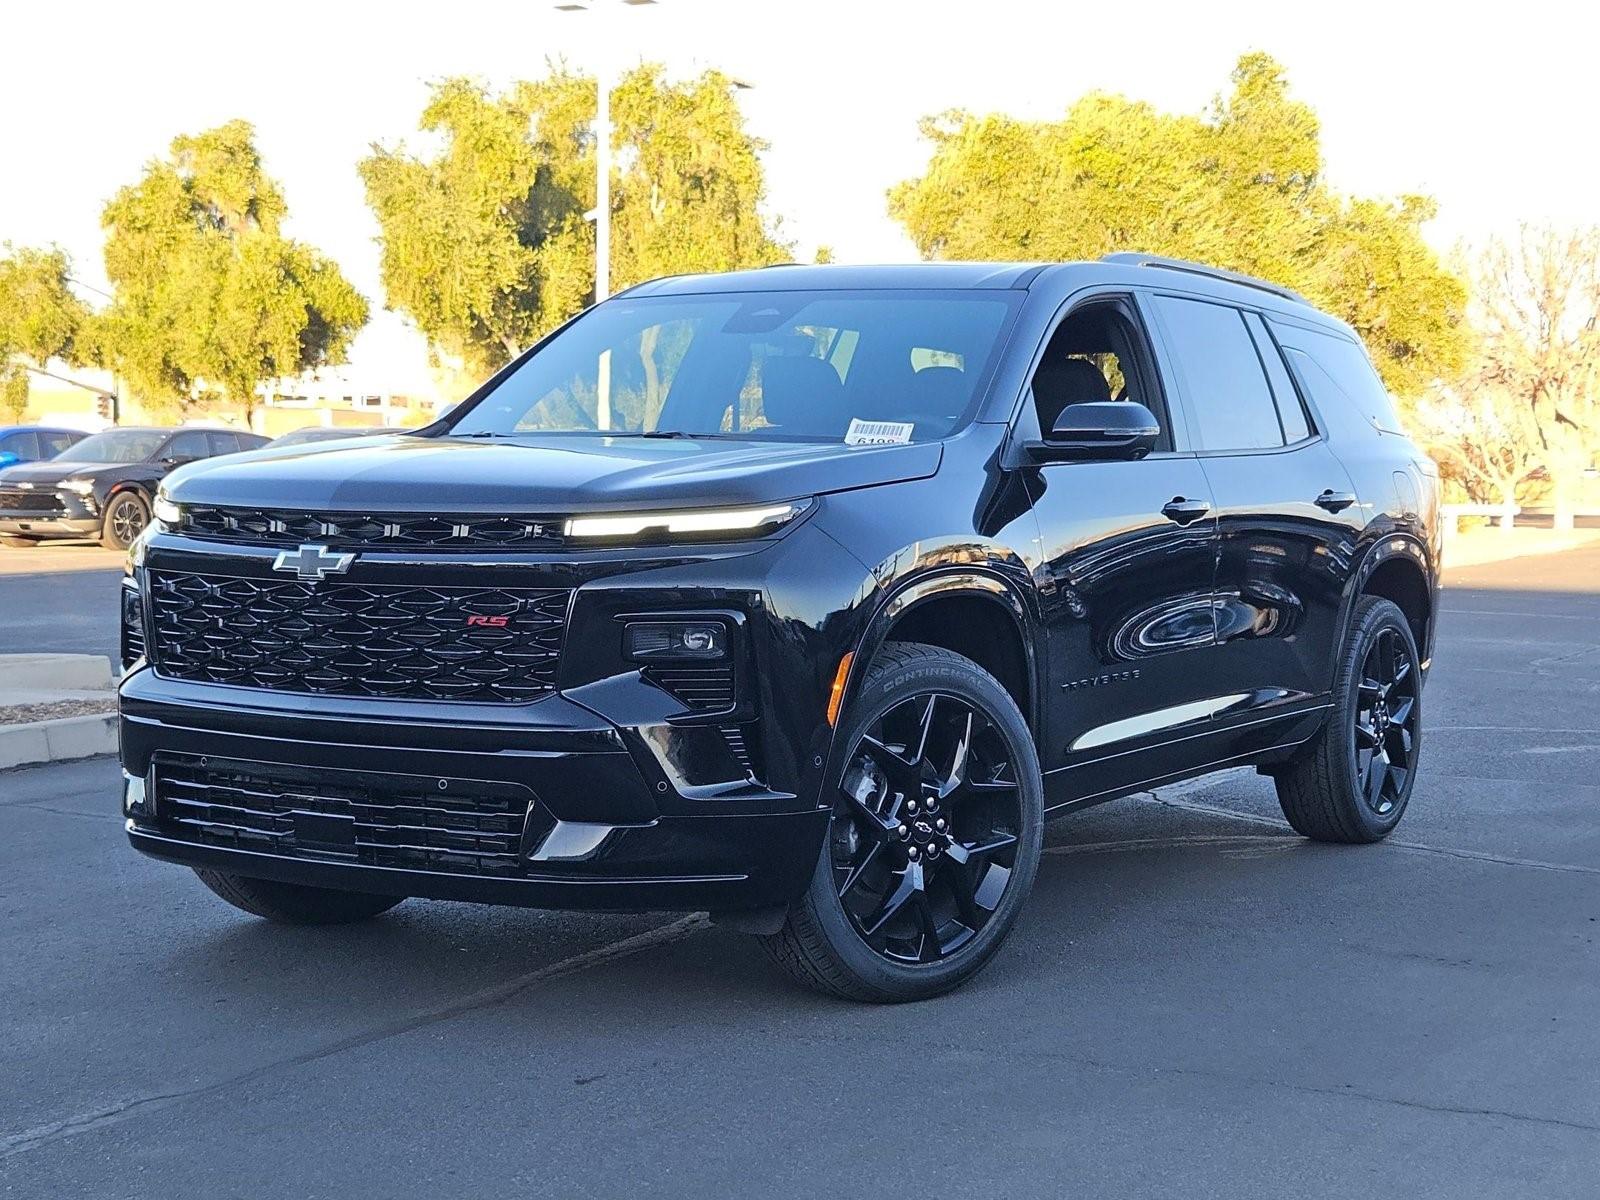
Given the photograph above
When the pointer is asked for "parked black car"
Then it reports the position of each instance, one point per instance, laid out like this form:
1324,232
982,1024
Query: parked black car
799,595
34,443
104,485
325,433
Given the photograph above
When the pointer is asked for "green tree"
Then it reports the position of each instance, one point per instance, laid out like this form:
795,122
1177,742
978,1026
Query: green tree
211,298
1239,186
485,245
40,319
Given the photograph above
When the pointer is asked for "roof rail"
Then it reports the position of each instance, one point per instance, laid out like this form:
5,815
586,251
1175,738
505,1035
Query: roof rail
1134,259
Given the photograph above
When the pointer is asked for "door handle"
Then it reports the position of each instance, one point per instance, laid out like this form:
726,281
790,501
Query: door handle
1335,501
1184,511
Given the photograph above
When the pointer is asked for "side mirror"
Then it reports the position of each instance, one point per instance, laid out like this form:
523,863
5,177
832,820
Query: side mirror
1102,429
173,461
9,458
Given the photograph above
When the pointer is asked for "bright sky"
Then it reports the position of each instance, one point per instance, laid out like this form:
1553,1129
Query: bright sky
1489,108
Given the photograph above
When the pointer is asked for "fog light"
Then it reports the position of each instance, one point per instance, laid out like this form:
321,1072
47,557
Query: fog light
654,640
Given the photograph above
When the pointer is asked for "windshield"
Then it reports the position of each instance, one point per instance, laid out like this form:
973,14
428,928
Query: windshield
115,446
854,366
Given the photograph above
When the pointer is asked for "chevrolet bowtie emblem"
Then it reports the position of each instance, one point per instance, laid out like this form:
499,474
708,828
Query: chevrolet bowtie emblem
313,562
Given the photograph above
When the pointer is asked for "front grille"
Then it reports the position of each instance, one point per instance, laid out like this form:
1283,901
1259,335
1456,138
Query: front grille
700,687
381,820
369,531
30,501
495,645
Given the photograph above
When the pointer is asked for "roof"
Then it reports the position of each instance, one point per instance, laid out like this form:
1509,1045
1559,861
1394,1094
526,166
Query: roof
824,277
1127,268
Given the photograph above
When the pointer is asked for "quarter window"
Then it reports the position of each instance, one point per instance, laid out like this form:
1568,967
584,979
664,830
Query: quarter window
1346,366
1228,394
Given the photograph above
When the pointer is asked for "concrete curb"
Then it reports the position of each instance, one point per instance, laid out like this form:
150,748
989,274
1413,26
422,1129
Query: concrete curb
55,672
58,741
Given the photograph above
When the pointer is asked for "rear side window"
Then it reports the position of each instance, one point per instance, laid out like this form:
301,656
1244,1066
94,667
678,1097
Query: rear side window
55,442
1230,401
223,443
1345,367
1296,425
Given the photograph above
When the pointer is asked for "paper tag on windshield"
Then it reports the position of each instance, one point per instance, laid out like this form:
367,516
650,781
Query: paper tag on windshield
878,433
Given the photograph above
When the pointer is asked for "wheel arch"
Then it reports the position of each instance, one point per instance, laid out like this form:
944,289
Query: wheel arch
1399,569
957,610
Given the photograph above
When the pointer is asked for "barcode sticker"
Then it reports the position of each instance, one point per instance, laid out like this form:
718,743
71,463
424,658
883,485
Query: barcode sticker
878,433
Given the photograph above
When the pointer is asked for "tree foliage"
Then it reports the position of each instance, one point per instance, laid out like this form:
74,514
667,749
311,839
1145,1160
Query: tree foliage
211,298
1240,186
1536,301
40,319
485,245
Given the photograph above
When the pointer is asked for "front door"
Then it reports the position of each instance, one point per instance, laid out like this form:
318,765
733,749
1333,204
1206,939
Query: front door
1128,558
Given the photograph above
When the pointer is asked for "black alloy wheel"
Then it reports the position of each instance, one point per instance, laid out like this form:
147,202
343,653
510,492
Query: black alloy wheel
1386,712
924,835
935,825
1353,780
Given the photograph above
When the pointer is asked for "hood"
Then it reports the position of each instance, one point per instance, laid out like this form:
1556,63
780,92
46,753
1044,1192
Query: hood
50,473
538,475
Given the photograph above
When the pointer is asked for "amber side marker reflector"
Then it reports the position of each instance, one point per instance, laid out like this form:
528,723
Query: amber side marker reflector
836,696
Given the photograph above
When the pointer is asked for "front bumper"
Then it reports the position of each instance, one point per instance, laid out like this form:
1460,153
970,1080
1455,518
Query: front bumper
74,516
608,824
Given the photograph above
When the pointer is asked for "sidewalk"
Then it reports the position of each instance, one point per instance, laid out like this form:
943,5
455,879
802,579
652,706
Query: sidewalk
55,707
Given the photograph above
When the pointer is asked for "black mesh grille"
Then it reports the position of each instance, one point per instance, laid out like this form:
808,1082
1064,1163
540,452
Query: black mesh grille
29,501
354,530
405,642
419,823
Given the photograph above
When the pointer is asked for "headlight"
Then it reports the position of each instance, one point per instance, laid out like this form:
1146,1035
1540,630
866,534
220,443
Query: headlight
168,513
82,487
690,521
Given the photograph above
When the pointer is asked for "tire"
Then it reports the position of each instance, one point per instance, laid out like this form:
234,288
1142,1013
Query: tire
18,543
127,515
293,903
960,861
1374,732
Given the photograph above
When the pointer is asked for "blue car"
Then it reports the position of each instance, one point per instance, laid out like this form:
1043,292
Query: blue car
34,443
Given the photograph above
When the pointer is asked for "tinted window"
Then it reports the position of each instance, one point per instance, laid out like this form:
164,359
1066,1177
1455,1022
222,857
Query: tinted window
1296,426
24,445
768,365
187,445
223,443
1346,366
55,442
1231,403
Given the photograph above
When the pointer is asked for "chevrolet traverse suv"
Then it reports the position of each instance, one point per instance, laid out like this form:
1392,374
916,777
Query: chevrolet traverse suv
800,595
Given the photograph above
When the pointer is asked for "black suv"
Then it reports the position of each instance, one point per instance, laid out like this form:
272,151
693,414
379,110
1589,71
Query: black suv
798,595
103,487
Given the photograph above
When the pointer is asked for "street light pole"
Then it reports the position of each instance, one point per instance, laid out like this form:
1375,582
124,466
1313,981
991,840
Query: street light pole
604,82
602,184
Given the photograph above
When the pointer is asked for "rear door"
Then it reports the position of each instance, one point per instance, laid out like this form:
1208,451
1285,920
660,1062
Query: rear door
1288,516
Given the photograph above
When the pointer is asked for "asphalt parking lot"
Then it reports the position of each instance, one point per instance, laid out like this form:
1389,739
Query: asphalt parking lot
1195,1003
